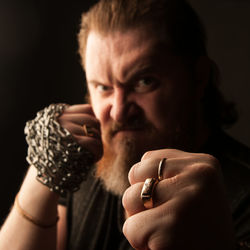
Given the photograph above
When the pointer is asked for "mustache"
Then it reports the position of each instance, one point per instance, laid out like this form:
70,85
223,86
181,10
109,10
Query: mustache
135,124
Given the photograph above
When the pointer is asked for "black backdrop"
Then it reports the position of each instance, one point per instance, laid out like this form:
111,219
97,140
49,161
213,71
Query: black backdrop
39,65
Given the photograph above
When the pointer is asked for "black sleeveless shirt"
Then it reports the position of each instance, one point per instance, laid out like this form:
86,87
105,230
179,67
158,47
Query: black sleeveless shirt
95,216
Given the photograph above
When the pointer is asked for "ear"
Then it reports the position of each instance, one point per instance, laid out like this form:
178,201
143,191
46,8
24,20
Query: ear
202,75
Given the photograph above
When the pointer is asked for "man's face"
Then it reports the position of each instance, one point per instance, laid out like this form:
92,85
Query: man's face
143,95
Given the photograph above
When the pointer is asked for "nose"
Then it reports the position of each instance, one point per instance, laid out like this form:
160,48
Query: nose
122,106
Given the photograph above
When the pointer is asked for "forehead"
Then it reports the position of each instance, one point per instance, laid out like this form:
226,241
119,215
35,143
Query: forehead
119,52
120,42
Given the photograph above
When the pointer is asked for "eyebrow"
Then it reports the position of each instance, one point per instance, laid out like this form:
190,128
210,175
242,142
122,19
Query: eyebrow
137,70
93,82
146,64
140,66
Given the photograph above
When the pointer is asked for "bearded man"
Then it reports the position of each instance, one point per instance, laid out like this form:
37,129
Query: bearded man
165,176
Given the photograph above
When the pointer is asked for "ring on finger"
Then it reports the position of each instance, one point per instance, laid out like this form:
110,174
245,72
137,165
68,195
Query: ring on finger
147,192
160,169
87,130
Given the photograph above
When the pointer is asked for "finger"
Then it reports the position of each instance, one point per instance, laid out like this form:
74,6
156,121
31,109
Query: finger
92,144
131,200
165,153
142,228
143,170
80,119
75,129
148,168
164,191
80,108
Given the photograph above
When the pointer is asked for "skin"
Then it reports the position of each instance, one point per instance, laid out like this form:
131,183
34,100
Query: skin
73,119
190,207
130,78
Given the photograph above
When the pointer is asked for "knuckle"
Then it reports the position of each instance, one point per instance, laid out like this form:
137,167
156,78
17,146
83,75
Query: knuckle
174,181
133,233
204,176
162,237
206,165
125,198
130,200
205,170
146,155
210,159
155,243
193,191
132,174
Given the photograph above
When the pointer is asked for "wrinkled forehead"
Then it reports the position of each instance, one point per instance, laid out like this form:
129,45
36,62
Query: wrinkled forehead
142,35
124,49
120,43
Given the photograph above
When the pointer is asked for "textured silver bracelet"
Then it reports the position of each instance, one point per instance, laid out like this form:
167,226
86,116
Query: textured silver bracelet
61,163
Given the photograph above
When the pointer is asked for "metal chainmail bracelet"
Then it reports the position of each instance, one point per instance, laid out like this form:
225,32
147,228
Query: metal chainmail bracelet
62,164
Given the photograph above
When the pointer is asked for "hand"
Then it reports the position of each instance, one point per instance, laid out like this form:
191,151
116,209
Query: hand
73,119
190,206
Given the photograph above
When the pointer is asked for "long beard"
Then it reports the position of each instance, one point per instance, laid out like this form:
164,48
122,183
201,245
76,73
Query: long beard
114,166
120,156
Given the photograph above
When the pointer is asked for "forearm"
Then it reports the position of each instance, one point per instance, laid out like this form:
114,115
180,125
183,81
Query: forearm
37,201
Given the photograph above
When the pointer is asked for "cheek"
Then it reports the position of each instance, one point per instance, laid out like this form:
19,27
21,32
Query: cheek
161,110
100,109
154,106
96,109
95,103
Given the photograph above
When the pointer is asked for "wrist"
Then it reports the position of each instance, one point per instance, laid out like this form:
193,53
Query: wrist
37,200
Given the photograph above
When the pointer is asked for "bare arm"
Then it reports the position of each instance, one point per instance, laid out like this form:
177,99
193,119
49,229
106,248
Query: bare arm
36,199
62,228
19,233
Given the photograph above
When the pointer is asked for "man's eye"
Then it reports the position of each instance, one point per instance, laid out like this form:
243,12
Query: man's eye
103,88
145,84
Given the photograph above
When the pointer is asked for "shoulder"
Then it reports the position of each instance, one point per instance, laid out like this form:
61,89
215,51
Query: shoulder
235,150
234,158
233,155
235,162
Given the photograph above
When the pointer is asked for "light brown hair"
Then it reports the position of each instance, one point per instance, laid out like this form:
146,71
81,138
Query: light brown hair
174,17
183,31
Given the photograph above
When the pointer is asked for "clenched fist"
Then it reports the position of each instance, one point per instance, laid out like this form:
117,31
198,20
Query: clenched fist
74,118
190,209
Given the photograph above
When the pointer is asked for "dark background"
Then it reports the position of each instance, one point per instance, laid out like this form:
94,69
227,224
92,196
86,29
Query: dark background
39,65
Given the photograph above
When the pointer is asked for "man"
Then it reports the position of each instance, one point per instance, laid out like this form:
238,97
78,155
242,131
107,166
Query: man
152,126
